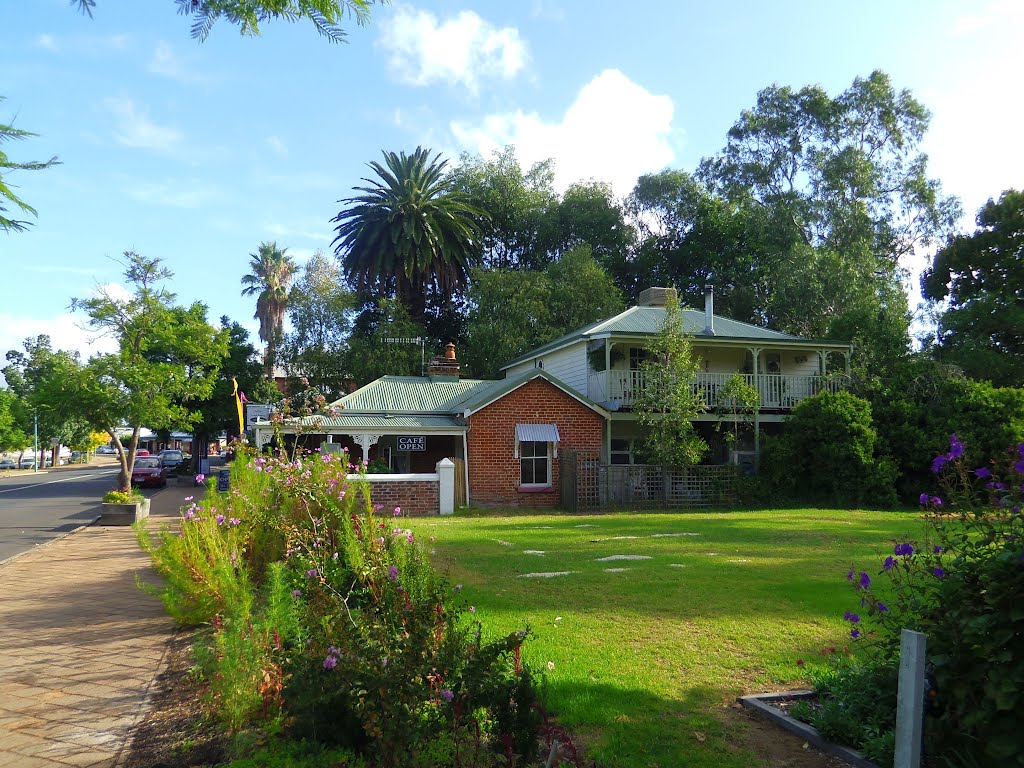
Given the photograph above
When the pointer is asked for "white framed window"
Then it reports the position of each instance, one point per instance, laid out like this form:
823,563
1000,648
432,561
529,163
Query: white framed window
621,451
536,447
534,464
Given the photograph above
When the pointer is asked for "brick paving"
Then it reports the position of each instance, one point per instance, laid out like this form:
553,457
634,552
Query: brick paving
80,645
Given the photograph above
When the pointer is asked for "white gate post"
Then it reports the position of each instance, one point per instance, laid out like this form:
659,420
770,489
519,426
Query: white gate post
910,700
446,486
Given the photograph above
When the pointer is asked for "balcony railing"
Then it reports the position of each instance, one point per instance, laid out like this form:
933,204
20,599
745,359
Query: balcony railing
777,391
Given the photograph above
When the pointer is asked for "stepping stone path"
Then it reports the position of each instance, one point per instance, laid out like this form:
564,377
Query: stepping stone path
622,557
548,575
615,570
533,551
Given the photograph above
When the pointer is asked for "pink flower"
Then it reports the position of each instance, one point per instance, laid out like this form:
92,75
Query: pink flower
220,519
235,521
472,609
200,478
398,511
409,537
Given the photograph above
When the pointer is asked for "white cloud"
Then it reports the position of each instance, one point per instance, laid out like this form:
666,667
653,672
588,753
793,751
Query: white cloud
174,193
462,50
167,64
309,230
277,144
66,332
49,42
614,131
1001,13
135,129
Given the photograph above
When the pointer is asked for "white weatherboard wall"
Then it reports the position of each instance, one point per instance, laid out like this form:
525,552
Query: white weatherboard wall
569,365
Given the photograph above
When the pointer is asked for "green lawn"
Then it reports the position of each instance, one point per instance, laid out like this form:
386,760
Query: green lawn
648,659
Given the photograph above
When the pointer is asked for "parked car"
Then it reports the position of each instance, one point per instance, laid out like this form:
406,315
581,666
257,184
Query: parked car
105,450
28,462
171,458
149,470
8,464
142,452
77,457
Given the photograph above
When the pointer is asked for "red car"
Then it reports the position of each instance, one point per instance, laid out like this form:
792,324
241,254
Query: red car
149,470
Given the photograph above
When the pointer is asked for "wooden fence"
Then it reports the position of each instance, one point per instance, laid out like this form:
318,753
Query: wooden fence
588,485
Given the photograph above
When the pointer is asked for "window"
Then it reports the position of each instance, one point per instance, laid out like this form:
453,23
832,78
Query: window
534,464
621,451
637,357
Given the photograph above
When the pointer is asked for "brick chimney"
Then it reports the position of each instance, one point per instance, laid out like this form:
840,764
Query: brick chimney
444,367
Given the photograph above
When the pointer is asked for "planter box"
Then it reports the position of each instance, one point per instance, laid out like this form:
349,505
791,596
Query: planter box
124,514
762,705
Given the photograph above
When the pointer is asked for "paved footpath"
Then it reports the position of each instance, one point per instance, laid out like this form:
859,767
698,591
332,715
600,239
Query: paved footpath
80,644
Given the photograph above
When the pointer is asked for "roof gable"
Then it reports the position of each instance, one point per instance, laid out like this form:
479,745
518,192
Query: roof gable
410,394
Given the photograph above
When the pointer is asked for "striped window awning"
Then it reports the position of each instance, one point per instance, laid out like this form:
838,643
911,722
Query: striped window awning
537,433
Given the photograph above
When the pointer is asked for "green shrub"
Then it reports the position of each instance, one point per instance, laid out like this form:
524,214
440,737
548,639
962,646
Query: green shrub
122,497
827,454
329,622
962,588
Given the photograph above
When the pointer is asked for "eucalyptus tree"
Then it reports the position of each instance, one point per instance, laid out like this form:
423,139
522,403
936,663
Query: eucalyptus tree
271,273
7,195
409,234
168,360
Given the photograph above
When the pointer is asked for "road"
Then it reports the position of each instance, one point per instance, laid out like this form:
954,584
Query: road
35,508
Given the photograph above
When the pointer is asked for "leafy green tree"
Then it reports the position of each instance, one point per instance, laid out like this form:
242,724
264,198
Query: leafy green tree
326,15
842,195
12,436
371,354
319,310
589,214
738,401
410,234
37,375
168,359
513,311
668,403
271,272
10,133
980,278
521,208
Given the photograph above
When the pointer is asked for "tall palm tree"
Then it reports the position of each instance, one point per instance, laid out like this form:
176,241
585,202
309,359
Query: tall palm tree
409,233
271,272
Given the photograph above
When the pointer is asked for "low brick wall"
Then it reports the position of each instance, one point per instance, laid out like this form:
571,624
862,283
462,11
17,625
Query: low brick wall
415,494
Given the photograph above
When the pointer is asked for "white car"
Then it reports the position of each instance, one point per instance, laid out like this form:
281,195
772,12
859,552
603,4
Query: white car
28,462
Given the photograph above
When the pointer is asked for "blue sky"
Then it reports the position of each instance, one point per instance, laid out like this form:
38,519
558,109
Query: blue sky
195,153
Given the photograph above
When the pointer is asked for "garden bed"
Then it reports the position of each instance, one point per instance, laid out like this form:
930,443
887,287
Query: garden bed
774,708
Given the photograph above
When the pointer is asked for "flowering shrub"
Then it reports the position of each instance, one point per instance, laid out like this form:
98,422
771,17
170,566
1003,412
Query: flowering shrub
328,621
961,586
122,497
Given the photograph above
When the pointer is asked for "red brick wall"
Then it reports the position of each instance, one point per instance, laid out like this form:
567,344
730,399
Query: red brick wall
493,467
415,497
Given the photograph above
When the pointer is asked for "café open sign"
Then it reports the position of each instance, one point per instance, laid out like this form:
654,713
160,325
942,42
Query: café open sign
412,442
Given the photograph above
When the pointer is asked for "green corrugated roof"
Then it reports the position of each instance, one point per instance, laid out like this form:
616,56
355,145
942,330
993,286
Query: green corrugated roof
647,321
485,396
411,394
346,420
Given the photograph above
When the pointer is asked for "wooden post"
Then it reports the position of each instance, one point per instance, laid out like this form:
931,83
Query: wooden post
910,700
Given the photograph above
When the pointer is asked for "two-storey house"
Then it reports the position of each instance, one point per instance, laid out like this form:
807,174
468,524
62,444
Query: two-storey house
576,392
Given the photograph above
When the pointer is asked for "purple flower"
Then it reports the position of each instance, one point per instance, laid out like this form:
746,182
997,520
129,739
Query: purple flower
1020,449
313,573
883,607
330,662
939,573
1019,467
865,580
936,501
296,593
854,633
853,618
890,561
235,521
956,447
923,499
938,463
849,576
392,572
904,549
983,472
447,695
333,651
936,549
220,519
